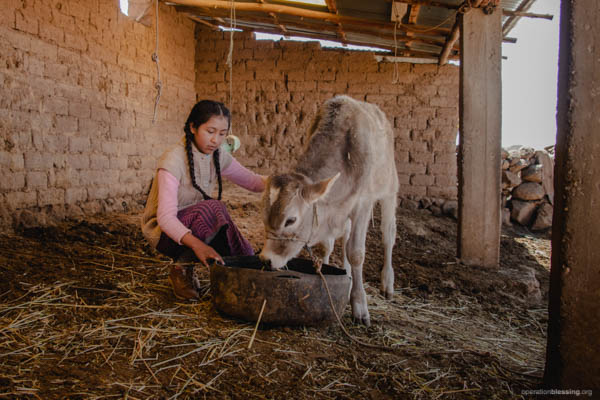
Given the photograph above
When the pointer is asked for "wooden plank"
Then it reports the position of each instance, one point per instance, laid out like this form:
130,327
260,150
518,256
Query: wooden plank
331,6
203,22
480,137
413,14
572,357
398,11
527,14
512,21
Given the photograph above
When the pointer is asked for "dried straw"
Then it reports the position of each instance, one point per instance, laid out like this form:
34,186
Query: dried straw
97,320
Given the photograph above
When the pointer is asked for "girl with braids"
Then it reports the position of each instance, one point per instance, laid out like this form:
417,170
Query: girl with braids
181,218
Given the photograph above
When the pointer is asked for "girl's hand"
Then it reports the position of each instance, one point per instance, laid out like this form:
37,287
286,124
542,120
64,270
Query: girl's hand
205,253
202,251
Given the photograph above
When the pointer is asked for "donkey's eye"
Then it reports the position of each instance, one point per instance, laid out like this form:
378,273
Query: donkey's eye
290,221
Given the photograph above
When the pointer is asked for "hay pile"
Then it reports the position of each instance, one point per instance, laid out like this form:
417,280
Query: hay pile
86,312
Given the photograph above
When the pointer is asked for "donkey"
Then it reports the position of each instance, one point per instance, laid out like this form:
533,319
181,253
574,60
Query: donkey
347,166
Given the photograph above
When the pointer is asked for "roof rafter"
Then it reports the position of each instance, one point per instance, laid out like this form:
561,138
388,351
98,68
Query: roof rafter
276,20
401,52
201,21
435,37
324,27
300,12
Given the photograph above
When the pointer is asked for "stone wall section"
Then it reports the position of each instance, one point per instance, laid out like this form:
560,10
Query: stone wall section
76,103
278,86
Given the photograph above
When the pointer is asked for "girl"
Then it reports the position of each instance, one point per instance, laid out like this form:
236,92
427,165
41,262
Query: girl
180,215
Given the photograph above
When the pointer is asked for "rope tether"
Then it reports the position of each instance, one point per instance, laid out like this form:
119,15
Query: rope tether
232,27
155,58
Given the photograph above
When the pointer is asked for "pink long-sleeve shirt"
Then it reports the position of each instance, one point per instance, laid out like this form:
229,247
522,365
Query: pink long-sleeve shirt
168,185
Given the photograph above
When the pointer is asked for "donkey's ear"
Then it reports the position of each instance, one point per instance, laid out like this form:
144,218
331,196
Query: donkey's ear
316,191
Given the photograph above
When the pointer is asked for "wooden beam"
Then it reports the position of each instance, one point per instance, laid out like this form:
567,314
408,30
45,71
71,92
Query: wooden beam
480,110
527,14
511,21
341,32
450,41
574,306
331,6
203,22
413,14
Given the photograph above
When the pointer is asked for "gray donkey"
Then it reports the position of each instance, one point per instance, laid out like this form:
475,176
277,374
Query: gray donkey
347,167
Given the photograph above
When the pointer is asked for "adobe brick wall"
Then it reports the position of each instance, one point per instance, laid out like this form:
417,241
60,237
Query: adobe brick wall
77,96
278,86
76,103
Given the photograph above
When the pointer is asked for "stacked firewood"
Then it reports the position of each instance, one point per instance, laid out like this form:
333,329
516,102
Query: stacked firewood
528,186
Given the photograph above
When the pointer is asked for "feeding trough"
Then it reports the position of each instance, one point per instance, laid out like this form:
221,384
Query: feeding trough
296,296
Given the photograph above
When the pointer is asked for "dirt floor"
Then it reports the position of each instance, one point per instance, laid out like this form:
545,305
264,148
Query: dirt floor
86,311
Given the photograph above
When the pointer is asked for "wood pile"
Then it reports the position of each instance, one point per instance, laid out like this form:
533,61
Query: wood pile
528,186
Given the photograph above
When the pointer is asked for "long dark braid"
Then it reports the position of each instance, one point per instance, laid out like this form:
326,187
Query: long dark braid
217,162
201,113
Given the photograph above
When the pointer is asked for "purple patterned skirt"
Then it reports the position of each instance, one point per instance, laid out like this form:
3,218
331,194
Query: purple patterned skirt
210,222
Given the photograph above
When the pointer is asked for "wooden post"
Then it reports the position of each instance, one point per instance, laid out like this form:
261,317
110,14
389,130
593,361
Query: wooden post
480,106
573,356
